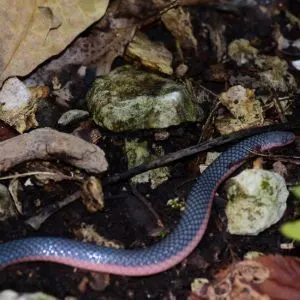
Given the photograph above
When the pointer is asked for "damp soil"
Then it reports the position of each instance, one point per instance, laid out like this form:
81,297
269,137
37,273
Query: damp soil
128,220
123,219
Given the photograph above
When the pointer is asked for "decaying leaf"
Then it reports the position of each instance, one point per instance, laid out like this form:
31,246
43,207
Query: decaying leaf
87,233
7,205
245,108
37,30
269,277
14,187
106,41
152,55
178,21
93,195
235,283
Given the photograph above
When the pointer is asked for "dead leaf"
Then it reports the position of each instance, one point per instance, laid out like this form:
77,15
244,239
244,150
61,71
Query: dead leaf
37,30
93,195
151,54
178,22
87,233
105,41
270,277
245,108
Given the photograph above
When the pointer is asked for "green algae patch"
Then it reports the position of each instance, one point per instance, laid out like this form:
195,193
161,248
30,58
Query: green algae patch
130,99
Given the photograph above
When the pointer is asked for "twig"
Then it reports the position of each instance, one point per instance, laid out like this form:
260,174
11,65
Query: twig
164,160
15,176
36,221
208,122
279,108
283,158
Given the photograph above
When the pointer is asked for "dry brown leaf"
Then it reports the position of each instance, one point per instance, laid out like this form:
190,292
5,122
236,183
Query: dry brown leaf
178,22
270,277
106,40
283,283
247,111
38,29
151,54
93,197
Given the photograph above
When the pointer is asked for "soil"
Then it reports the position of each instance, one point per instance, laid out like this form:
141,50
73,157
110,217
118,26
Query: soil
124,220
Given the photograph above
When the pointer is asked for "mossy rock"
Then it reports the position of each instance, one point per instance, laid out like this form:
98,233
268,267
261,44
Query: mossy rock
130,99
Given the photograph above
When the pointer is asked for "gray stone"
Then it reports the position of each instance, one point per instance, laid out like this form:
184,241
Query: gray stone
72,116
130,99
257,200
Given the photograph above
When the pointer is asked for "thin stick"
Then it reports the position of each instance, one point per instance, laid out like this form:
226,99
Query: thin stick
36,221
172,157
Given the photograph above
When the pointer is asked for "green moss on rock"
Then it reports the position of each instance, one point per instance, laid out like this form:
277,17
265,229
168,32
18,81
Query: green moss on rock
257,201
137,154
130,99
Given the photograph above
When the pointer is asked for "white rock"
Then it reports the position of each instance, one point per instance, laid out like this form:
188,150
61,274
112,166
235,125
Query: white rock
256,200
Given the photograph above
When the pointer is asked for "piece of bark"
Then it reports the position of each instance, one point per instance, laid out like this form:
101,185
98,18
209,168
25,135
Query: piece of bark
48,144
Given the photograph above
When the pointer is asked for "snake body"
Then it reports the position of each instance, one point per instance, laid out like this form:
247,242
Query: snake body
166,253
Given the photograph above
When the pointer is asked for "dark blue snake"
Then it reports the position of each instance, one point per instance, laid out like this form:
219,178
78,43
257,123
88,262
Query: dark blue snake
161,256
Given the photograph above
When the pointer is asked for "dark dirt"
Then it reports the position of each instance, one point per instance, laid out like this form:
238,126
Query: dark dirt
217,249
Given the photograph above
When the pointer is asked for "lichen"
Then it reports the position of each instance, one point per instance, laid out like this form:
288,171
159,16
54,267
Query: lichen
137,154
131,99
257,200
274,73
241,51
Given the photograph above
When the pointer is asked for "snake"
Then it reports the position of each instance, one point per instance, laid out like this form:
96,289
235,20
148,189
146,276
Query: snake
166,253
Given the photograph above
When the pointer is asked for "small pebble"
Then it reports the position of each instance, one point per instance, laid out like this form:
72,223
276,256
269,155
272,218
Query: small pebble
71,116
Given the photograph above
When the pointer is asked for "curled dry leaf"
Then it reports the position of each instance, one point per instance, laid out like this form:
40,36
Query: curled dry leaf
93,194
178,22
37,30
271,277
87,233
245,108
176,18
7,207
106,41
14,188
151,54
